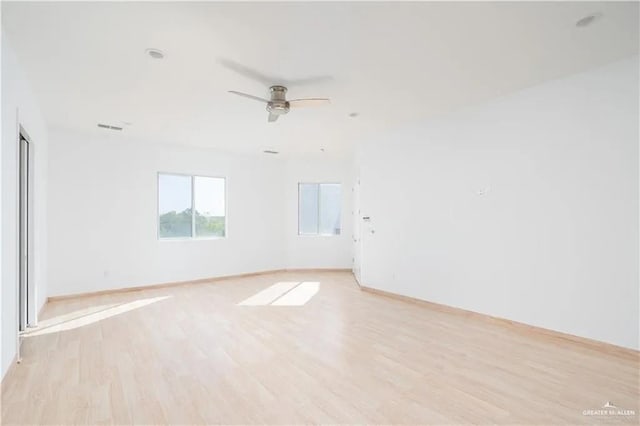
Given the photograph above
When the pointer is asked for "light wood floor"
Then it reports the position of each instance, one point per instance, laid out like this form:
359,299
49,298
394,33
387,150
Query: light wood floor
193,355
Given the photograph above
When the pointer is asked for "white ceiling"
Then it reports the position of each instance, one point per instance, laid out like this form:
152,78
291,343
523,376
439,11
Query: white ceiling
390,62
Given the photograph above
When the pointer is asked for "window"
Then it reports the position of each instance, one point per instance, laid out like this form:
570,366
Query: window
191,206
319,208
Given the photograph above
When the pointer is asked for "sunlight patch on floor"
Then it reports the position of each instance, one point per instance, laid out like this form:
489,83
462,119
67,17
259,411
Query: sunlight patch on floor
87,316
299,295
268,295
284,294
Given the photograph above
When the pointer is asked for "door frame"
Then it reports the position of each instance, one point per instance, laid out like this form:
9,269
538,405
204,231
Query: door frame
26,312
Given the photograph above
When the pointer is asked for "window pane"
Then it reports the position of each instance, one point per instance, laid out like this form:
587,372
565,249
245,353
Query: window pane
174,206
210,206
308,208
330,195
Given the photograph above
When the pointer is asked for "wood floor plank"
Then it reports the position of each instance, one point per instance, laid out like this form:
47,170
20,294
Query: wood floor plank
193,354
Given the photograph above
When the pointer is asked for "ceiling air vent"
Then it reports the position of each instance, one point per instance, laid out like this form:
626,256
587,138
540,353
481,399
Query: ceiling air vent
269,151
106,126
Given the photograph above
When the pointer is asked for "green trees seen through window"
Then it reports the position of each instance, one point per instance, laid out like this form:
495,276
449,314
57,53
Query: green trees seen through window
191,206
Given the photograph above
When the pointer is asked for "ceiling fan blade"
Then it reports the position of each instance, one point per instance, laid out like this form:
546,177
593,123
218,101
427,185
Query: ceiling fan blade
247,72
272,117
246,95
309,80
309,102
271,79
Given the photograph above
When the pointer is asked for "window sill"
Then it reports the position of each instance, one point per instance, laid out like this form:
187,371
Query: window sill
169,240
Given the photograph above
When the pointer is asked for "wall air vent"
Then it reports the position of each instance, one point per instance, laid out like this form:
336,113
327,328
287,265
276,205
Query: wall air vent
269,151
106,126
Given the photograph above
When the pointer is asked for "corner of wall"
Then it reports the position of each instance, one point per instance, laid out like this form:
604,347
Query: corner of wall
20,107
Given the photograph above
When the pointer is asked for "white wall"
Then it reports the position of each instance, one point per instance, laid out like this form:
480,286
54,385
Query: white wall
553,242
19,106
2,354
103,214
103,207
305,251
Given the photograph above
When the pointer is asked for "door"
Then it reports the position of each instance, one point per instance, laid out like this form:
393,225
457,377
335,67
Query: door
357,232
23,237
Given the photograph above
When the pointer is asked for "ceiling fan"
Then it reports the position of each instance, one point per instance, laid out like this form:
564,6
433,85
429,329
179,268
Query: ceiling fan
279,105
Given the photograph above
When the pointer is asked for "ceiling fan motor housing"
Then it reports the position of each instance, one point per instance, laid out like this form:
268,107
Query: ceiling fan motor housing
278,104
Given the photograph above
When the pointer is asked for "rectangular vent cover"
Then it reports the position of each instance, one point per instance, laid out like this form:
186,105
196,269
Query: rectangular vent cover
106,126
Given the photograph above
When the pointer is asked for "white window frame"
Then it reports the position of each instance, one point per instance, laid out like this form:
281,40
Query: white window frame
193,210
318,234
